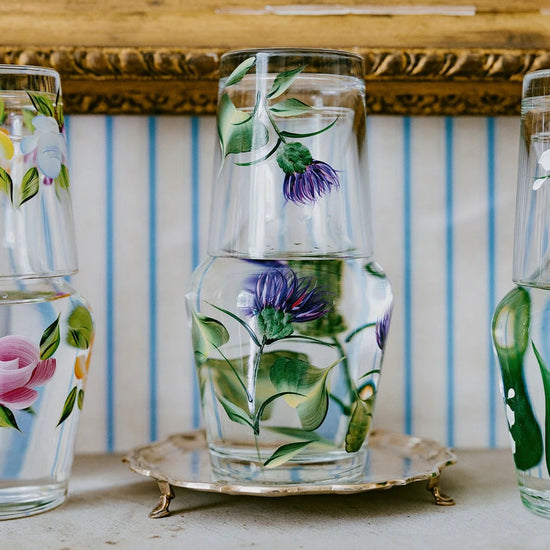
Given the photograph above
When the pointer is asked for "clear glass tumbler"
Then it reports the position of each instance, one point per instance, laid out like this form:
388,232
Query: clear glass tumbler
289,311
521,323
46,328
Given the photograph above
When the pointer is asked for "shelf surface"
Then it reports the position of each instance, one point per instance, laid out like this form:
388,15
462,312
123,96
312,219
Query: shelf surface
108,507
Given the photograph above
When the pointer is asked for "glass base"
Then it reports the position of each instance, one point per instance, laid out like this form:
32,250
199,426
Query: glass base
28,500
242,464
536,501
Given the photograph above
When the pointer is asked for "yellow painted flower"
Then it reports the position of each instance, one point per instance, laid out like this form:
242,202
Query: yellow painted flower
80,366
6,145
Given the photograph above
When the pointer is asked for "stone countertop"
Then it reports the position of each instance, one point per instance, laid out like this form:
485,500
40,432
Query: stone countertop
108,507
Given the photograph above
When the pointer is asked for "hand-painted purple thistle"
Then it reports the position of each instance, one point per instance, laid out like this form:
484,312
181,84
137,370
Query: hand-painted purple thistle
279,298
381,330
306,180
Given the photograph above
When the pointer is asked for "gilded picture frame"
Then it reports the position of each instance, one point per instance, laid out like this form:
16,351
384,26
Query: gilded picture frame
161,56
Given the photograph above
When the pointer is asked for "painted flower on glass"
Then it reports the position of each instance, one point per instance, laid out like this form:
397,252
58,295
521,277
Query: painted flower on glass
306,179
6,145
49,145
279,298
544,162
20,371
381,330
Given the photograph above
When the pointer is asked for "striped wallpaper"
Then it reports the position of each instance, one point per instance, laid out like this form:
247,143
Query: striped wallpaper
443,192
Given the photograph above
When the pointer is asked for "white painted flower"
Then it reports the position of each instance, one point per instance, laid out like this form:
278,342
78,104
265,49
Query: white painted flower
544,160
510,415
49,144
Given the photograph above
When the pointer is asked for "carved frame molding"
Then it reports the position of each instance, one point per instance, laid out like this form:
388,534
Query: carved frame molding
148,80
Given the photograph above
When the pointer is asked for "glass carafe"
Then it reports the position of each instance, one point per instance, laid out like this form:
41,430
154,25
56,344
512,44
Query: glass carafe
521,323
289,311
46,329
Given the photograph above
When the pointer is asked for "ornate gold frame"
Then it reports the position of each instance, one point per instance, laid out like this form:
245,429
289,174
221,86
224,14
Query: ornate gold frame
161,56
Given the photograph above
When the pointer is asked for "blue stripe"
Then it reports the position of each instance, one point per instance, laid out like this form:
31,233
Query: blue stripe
67,122
110,318
407,283
153,429
449,238
195,229
491,241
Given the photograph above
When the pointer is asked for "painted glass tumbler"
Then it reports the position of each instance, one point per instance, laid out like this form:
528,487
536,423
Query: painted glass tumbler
46,329
521,323
289,311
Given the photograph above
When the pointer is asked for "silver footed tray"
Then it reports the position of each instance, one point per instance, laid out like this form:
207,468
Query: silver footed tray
393,459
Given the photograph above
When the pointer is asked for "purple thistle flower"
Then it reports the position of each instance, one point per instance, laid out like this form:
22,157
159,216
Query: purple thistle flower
279,298
382,328
306,179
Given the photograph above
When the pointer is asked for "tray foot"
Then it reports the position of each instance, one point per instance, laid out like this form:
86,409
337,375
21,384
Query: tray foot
166,496
441,499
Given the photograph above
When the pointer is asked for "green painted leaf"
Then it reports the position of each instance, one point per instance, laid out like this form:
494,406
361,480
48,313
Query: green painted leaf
50,340
207,334
374,269
59,110
7,419
329,274
3,113
246,137
265,404
235,413
285,453
239,132
511,337
290,107
283,81
80,399
238,74
359,424
300,433
68,406
81,328
62,181
29,410
42,103
293,375
227,379
6,185
28,115
284,133
29,186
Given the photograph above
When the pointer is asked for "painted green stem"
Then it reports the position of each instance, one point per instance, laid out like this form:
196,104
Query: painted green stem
545,374
275,127
353,395
252,377
346,409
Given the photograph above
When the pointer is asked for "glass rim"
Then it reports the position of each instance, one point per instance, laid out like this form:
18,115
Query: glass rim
15,72
537,74
316,57
34,70
296,51
536,84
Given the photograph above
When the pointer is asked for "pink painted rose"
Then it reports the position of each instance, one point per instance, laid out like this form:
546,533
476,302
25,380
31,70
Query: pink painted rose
20,371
